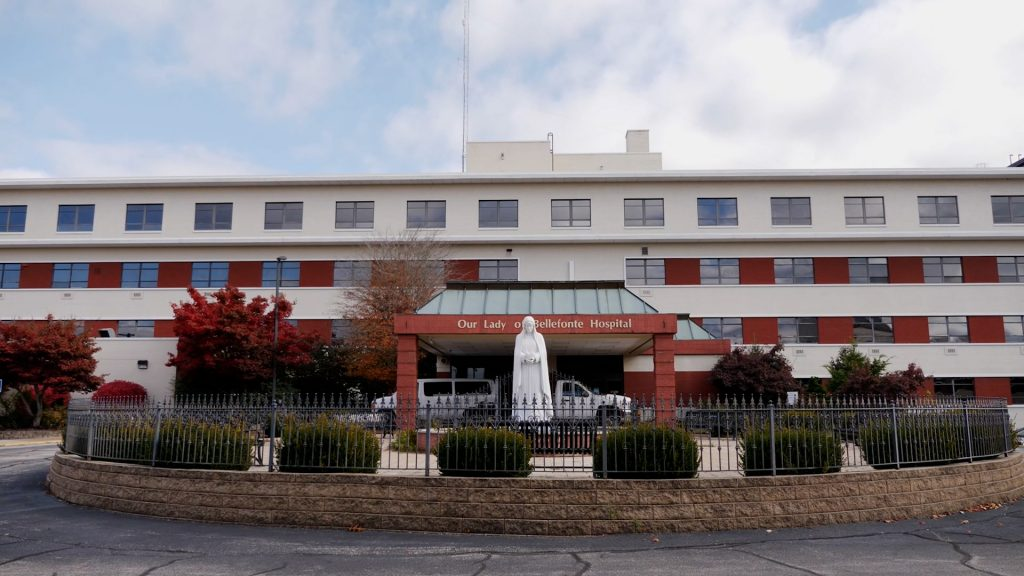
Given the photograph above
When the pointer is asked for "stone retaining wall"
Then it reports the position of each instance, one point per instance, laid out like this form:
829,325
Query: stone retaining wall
534,506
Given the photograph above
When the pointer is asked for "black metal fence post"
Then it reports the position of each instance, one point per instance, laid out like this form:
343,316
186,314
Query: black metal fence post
771,434
967,431
895,435
426,456
156,437
91,434
604,443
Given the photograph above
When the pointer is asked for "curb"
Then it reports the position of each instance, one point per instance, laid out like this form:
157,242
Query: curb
29,442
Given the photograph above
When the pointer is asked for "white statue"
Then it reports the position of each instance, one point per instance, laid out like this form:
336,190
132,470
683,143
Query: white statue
531,388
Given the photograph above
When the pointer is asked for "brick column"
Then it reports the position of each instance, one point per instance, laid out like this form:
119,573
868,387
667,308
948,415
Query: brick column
664,377
406,382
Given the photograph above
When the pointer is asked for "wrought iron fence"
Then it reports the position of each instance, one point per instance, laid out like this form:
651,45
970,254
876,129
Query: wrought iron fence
466,436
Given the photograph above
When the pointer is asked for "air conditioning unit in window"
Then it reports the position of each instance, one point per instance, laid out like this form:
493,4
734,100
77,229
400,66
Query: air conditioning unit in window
876,351
66,296
106,333
136,296
798,352
949,351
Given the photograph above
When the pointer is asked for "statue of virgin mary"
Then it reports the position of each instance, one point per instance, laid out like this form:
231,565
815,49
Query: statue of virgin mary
531,388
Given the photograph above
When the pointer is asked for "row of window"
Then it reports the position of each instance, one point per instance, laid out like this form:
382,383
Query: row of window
866,329
574,213
874,270
639,272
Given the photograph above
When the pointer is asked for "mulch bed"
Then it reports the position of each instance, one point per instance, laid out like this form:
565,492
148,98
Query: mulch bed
28,434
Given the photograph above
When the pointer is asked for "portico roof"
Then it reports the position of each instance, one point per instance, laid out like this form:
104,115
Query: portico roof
520,298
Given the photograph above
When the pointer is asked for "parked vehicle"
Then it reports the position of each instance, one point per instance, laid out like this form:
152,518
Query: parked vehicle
448,400
574,401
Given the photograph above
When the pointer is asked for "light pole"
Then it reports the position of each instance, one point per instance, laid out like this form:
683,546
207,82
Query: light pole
273,360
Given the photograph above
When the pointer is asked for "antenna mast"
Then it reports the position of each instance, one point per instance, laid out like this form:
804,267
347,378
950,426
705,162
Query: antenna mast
465,79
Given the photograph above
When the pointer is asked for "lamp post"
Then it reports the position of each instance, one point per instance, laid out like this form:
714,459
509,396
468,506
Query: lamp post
273,360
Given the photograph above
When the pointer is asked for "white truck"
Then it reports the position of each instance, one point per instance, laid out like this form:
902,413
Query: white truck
479,400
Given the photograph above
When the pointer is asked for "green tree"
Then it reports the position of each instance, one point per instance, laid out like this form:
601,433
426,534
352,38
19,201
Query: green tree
853,372
46,358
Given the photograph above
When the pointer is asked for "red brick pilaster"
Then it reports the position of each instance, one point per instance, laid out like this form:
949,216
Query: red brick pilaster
664,376
405,385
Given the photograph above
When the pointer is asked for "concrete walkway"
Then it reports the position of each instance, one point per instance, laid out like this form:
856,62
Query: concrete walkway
40,535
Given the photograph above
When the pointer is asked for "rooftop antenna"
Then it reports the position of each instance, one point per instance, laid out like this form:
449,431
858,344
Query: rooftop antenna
465,80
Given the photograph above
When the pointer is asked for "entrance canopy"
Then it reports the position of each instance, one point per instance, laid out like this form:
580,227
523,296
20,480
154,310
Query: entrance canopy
576,318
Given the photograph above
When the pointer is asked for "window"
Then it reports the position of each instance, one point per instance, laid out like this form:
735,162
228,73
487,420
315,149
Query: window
282,216
943,270
351,273
353,215
213,216
75,217
645,271
144,217
876,329
956,387
1008,209
139,274
791,211
719,271
725,329
10,276
869,270
947,329
425,214
1013,328
798,330
289,274
937,210
864,210
1017,390
499,213
499,270
73,275
341,329
135,328
570,213
717,212
1011,268
794,271
12,218
644,212
209,274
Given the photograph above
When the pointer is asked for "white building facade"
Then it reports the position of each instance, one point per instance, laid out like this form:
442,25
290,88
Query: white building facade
923,266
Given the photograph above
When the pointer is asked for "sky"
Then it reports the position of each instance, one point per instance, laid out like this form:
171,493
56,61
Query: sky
153,88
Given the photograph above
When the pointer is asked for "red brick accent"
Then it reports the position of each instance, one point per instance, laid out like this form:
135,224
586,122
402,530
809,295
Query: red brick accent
638,384
246,274
464,270
831,271
694,384
682,271
316,273
986,329
37,275
910,329
319,328
906,270
105,275
174,275
992,387
761,331
757,271
980,269
163,329
406,381
835,330
664,374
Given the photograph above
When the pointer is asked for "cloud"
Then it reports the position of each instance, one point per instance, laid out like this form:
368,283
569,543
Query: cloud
283,58
18,173
79,159
737,83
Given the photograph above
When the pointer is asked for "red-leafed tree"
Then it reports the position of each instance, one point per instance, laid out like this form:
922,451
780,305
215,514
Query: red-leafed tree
44,359
753,370
225,344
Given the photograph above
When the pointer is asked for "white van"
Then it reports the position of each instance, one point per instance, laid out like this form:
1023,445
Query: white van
448,399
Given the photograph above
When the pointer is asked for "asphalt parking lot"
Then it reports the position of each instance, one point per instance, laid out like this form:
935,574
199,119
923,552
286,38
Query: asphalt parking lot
40,535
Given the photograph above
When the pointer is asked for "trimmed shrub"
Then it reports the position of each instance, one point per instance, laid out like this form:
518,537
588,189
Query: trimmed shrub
54,418
120,390
182,443
647,451
484,452
327,444
404,441
932,439
797,451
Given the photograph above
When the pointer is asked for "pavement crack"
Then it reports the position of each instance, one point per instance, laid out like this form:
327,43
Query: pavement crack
483,564
579,560
965,556
159,566
777,562
274,569
23,556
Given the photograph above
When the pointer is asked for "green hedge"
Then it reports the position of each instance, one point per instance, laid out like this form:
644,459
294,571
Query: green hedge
182,444
646,451
327,444
483,452
797,451
931,439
